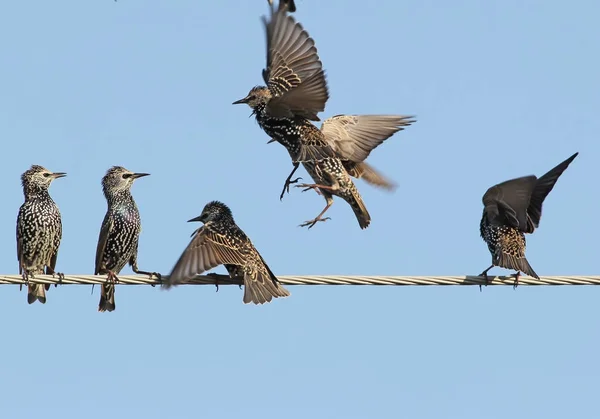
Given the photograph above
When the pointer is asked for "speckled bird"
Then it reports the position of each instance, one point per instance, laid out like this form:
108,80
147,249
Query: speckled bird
511,209
221,242
39,231
295,92
120,232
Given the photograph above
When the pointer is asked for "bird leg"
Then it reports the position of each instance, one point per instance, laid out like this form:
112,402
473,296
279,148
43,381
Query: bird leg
517,275
485,275
316,187
112,277
150,274
288,181
216,277
318,218
54,274
25,275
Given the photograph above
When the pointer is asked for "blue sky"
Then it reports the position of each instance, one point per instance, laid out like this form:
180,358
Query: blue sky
500,90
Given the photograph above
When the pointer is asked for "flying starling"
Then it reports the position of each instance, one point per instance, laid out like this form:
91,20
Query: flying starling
39,231
295,92
511,209
120,232
221,242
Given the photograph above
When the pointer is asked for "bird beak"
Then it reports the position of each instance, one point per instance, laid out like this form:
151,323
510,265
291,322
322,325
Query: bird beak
197,219
58,174
244,100
138,175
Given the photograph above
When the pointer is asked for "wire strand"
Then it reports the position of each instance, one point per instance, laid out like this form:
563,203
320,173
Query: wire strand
314,280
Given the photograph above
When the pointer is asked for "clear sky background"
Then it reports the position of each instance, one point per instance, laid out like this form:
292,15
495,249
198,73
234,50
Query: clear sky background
500,90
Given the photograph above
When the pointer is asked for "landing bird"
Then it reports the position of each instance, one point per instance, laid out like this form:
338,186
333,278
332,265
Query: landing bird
221,242
39,231
289,3
120,232
511,209
295,92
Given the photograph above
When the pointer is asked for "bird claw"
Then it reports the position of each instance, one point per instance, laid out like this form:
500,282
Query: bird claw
314,221
60,275
216,276
112,277
309,186
516,276
286,187
487,279
158,276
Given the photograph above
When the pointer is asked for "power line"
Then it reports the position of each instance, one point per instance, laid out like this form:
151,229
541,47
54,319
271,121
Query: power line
316,280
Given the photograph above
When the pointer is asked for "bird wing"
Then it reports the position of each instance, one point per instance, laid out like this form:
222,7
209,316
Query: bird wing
107,226
205,251
355,136
542,188
294,72
54,256
20,242
368,173
506,203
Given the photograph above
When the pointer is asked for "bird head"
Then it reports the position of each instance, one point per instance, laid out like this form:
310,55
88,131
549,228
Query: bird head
214,210
259,95
117,179
38,177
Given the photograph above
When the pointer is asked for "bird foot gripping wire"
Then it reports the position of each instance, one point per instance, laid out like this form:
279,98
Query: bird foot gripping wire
60,275
216,277
485,275
516,276
25,275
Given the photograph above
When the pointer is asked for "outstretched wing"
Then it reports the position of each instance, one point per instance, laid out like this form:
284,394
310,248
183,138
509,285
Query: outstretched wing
105,230
207,250
506,203
294,72
355,136
542,188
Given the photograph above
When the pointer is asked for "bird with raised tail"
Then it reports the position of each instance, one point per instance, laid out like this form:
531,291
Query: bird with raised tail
295,92
39,230
511,210
119,234
221,242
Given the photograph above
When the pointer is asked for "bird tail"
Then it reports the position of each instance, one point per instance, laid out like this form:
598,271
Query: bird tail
107,298
371,176
516,263
359,208
36,292
264,288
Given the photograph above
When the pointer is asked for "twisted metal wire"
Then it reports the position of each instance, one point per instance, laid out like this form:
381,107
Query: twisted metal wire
315,280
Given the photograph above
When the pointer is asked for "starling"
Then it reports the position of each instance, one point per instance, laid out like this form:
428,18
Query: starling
221,242
291,6
511,209
119,235
39,230
295,92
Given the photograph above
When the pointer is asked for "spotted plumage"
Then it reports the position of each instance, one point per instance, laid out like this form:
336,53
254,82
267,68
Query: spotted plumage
221,242
511,210
119,234
39,230
295,92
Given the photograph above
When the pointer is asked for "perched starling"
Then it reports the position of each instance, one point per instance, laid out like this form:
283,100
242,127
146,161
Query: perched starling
120,232
511,209
39,230
221,242
295,92
291,6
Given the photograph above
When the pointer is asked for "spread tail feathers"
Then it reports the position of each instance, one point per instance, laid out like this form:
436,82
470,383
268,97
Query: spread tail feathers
264,288
107,298
36,292
518,264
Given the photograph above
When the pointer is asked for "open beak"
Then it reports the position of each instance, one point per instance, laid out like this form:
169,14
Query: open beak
138,175
198,219
58,174
244,100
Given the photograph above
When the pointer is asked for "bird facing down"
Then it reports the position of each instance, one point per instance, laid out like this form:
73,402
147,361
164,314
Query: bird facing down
39,230
511,209
221,242
295,92
119,235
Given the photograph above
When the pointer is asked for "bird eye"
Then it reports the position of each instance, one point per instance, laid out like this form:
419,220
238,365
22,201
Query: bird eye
46,174
126,175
